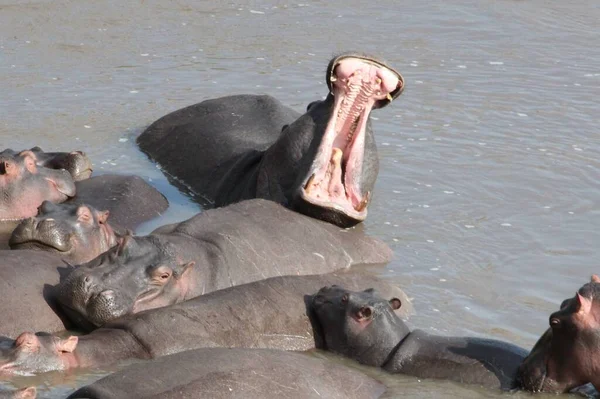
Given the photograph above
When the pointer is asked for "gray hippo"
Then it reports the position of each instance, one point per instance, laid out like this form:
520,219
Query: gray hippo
218,248
234,373
129,199
24,185
323,163
76,163
568,353
78,233
269,313
364,327
78,229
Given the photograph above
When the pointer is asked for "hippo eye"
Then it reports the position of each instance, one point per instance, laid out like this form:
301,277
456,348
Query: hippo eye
554,322
164,276
345,298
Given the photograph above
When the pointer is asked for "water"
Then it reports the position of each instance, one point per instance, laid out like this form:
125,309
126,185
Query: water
489,188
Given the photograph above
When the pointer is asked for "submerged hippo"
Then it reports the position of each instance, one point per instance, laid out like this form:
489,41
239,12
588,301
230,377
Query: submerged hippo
269,313
568,354
78,233
363,326
218,248
130,200
234,373
323,163
76,163
24,185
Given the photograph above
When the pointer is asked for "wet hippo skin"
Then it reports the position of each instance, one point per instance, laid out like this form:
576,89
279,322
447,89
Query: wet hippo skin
234,373
269,313
129,199
218,248
323,163
26,280
365,327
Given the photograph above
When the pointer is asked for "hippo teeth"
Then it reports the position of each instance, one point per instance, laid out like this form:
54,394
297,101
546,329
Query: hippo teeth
365,201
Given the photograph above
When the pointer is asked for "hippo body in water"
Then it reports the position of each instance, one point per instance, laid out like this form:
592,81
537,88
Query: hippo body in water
216,249
269,313
234,373
323,163
363,326
129,199
568,353
24,185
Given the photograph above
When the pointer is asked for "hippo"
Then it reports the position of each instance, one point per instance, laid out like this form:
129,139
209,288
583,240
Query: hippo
566,356
130,200
270,313
26,295
24,393
76,163
364,327
247,241
234,373
79,233
322,163
24,185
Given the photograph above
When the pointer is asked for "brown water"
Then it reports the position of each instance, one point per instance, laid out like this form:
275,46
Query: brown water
489,190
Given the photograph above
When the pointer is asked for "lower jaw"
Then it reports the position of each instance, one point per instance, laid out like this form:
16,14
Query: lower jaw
328,211
39,246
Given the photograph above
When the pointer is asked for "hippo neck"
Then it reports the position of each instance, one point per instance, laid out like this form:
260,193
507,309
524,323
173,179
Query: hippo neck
286,162
105,346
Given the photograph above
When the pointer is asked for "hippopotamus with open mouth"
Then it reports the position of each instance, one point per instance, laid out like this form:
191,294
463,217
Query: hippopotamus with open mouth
24,185
568,354
78,233
365,327
218,248
323,163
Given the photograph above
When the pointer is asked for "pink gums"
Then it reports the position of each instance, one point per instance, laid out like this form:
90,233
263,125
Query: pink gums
357,85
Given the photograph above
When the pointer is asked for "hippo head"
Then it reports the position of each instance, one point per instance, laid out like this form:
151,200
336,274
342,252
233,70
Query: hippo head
33,353
359,325
331,148
140,273
568,354
78,233
76,163
24,185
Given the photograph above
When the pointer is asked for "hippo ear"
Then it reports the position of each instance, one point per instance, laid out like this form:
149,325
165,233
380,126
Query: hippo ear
8,168
585,304
67,345
27,342
26,393
182,269
29,159
395,303
102,216
84,215
595,278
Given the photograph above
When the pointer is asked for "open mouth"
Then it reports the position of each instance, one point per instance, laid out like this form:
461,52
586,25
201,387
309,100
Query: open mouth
358,85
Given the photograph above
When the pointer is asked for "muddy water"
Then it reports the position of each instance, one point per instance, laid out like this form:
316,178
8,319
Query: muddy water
489,188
